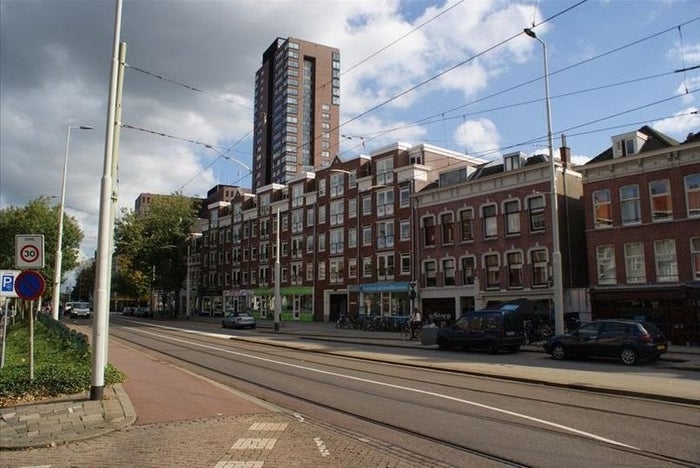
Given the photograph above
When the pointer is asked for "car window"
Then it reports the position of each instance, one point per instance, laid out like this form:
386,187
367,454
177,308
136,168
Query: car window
476,323
614,329
651,328
491,322
463,322
588,331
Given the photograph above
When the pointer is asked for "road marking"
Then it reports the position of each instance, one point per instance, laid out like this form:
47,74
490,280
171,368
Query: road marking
321,447
394,386
239,464
268,427
256,444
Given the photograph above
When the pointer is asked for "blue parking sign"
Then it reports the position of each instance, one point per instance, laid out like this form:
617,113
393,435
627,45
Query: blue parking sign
7,282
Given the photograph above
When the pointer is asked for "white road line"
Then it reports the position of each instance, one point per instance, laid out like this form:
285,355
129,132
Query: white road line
394,386
321,447
239,464
254,444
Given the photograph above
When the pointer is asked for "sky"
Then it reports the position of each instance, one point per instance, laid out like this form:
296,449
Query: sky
460,75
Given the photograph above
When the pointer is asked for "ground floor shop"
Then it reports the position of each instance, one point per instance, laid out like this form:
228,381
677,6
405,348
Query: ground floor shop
674,308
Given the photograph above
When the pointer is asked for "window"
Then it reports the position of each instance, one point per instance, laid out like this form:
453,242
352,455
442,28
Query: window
297,221
309,272
385,266
337,241
448,271
385,203
336,270
352,268
385,234
468,270
512,217
366,205
429,232
605,255
337,216
602,210
385,171
629,204
405,264
352,208
430,272
634,263
310,218
466,218
488,213
692,194
405,229
352,238
661,208
404,196
665,256
515,269
492,267
321,271
337,184
448,236
538,260
695,256
535,206
321,239
367,267
366,235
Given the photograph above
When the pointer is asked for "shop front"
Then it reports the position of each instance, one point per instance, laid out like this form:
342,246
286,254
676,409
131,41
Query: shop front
297,303
384,299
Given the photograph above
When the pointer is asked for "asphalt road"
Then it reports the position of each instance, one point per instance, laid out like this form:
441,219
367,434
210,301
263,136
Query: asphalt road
455,419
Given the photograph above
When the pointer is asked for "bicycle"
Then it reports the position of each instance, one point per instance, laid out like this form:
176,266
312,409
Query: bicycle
411,332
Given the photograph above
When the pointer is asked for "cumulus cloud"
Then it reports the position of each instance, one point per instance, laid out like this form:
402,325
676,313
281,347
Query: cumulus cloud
479,136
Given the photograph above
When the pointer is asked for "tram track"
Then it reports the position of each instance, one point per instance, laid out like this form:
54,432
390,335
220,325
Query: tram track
196,343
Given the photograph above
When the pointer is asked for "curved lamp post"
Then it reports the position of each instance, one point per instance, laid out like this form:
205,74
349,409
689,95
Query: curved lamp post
556,253
59,249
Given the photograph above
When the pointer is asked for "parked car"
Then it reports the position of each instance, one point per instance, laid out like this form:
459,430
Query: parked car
143,312
238,320
489,329
80,309
627,340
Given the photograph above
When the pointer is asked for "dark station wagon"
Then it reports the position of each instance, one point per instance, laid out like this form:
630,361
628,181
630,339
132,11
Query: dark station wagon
488,329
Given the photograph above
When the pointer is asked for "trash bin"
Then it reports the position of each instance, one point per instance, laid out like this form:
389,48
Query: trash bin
429,334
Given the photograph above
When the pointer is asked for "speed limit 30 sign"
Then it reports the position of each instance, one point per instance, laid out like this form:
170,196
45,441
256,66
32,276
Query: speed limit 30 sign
29,251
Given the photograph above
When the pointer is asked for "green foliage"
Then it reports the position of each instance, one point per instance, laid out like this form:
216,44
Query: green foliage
62,363
40,216
152,244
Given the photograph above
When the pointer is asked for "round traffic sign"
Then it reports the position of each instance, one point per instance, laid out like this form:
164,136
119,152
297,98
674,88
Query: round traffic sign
29,253
30,285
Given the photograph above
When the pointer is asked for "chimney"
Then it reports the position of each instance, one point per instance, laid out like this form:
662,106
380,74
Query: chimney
564,153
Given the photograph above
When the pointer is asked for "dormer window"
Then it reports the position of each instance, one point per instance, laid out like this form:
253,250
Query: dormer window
628,144
513,161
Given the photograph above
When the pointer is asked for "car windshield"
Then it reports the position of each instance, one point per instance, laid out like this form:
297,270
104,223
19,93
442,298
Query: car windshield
81,305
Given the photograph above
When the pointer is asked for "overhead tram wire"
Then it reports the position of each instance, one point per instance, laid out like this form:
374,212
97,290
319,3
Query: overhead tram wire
186,86
473,57
617,49
590,122
518,104
200,143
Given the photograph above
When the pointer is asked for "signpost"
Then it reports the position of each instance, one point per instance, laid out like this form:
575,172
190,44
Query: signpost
7,291
30,285
29,251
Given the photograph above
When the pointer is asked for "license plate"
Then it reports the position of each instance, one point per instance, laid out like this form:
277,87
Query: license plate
661,347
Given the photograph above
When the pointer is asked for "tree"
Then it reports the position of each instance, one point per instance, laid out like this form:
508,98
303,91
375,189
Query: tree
40,217
85,282
153,244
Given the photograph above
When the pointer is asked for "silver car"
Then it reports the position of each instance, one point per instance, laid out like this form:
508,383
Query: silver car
238,320
81,309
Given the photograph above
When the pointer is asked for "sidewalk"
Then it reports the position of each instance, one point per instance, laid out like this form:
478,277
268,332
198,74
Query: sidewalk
157,392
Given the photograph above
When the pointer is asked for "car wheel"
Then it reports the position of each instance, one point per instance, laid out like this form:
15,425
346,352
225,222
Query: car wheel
223,325
443,344
514,349
628,356
558,351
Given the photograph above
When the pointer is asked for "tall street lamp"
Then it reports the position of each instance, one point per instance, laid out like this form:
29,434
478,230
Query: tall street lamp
59,249
556,253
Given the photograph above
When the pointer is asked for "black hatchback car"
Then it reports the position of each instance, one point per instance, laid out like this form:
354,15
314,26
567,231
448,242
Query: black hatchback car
628,340
489,329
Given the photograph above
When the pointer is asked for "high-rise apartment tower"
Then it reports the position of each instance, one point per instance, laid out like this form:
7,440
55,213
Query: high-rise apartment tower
297,101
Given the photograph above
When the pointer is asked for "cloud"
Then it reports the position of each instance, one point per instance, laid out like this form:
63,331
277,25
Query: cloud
681,125
479,136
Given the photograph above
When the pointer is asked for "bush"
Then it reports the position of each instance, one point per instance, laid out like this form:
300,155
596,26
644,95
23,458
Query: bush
62,363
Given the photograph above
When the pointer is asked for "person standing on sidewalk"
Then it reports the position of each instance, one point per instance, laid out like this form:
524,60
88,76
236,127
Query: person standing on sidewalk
416,321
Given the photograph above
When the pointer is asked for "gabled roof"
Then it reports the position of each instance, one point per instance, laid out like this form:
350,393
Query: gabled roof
657,140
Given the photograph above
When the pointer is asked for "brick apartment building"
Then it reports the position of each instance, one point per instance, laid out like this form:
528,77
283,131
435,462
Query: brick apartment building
642,198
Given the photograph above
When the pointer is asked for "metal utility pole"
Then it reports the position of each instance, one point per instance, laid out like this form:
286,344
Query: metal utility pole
278,276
